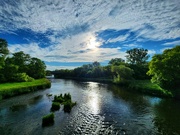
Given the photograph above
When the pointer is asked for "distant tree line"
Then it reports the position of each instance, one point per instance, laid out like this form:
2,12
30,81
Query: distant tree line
19,67
117,68
163,69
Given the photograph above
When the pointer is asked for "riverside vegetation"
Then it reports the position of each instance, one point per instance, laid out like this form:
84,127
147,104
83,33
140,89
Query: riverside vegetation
20,73
57,101
158,77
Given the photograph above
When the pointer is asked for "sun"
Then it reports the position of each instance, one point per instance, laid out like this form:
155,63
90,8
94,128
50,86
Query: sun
92,43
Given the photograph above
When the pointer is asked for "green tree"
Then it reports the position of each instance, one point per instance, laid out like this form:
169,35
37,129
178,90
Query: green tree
116,61
165,68
123,73
137,56
3,47
36,68
22,60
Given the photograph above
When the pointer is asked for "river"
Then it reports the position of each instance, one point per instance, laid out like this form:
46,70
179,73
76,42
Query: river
102,109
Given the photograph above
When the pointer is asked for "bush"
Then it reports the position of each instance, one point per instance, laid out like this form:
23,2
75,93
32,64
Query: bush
22,77
48,119
68,106
55,106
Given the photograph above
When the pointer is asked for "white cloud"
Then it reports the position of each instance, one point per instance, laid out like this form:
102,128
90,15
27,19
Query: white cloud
172,43
78,21
52,68
131,46
41,16
65,51
151,52
121,38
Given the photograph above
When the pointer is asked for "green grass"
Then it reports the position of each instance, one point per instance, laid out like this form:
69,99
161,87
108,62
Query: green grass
65,100
145,86
12,89
48,119
68,106
55,106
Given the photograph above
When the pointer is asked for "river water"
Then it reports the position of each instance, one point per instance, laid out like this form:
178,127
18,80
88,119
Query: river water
102,109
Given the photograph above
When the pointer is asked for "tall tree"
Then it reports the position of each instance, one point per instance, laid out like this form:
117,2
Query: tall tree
36,68
137,56
165,68
3,47
22,60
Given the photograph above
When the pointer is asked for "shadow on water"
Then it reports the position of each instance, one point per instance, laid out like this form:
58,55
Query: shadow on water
18,107
167,118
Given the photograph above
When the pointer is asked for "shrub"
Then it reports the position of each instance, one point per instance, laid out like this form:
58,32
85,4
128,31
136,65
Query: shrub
68,106
59,98
22,77
55,106
48,119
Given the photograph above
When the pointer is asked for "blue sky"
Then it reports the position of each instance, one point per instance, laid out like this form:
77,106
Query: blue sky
70,33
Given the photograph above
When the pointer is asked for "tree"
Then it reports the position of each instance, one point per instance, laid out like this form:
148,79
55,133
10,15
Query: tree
22,60
137,56
116,61
36,68
3,47
95,64
123,73
165,68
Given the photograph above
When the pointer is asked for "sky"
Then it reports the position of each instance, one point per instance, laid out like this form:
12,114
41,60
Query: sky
70,33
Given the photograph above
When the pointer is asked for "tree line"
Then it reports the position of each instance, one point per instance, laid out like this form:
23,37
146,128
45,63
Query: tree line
163,69
117,69
19,67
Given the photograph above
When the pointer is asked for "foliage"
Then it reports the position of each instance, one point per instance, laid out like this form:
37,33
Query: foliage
140,71
123,73
36,68
137,56
68,106
55,106
116,61
48,119
93,70
165,68
3,47
65,100
22,77
146,86
61,99
20,65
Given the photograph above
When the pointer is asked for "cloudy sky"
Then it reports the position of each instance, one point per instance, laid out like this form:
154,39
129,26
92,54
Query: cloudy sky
69,33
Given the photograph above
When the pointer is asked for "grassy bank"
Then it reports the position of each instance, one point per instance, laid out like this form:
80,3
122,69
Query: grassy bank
146,87
12,89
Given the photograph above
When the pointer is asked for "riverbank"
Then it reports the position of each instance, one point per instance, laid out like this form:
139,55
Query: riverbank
12,89
147,87
141,86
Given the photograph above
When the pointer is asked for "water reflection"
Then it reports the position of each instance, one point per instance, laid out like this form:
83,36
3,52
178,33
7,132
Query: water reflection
93,98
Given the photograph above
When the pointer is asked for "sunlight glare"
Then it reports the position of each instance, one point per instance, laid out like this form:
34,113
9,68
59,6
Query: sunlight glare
94,100
92,43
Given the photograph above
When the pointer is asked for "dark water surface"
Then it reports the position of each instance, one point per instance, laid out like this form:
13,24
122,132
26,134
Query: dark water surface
101,109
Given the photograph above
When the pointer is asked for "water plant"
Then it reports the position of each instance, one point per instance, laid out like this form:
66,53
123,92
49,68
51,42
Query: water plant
68,106
48,119
65,100
55,106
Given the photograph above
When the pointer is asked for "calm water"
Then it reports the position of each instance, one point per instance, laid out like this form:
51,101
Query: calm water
101,109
